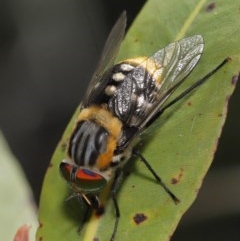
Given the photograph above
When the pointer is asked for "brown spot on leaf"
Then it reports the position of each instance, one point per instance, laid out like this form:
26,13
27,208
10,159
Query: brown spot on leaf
210,7
174,180
50,165
139,218
220,115
96,239
189,103
177,179
63,146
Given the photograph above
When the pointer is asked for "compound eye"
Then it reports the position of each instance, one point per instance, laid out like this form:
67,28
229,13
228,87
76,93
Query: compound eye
89,181
82,179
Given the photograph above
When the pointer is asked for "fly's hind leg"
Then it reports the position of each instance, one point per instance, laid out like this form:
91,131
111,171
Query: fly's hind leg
158,179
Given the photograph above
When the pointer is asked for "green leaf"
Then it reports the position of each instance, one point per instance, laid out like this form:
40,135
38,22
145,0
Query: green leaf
182,143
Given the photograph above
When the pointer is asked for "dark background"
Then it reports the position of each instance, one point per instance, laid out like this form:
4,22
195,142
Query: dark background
48,51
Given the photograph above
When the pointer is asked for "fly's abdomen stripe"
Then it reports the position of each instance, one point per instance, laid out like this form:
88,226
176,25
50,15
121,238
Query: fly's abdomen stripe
88,141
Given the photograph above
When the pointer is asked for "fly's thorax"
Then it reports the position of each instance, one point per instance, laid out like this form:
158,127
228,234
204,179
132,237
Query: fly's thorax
95,138
153,68
142,66
132,89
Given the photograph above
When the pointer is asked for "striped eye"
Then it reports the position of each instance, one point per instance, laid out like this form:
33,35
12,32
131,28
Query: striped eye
82,179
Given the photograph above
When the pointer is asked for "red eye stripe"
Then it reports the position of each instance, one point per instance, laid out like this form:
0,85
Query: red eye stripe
85,174
81,174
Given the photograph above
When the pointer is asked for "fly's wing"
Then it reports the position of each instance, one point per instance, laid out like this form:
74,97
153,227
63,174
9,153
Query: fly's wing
109,53
173,64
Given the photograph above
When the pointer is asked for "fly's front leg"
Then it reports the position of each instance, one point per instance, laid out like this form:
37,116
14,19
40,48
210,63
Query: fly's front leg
89,202
84,218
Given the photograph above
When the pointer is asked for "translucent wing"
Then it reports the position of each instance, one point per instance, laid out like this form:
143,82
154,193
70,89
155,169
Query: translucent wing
173,64
177,60
106,61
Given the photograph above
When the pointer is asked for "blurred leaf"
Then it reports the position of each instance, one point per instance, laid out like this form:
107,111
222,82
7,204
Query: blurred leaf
184,139
17,206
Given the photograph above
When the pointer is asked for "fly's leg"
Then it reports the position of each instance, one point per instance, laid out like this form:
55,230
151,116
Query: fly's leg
158,179
84,205
116,183
88,202
84,218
